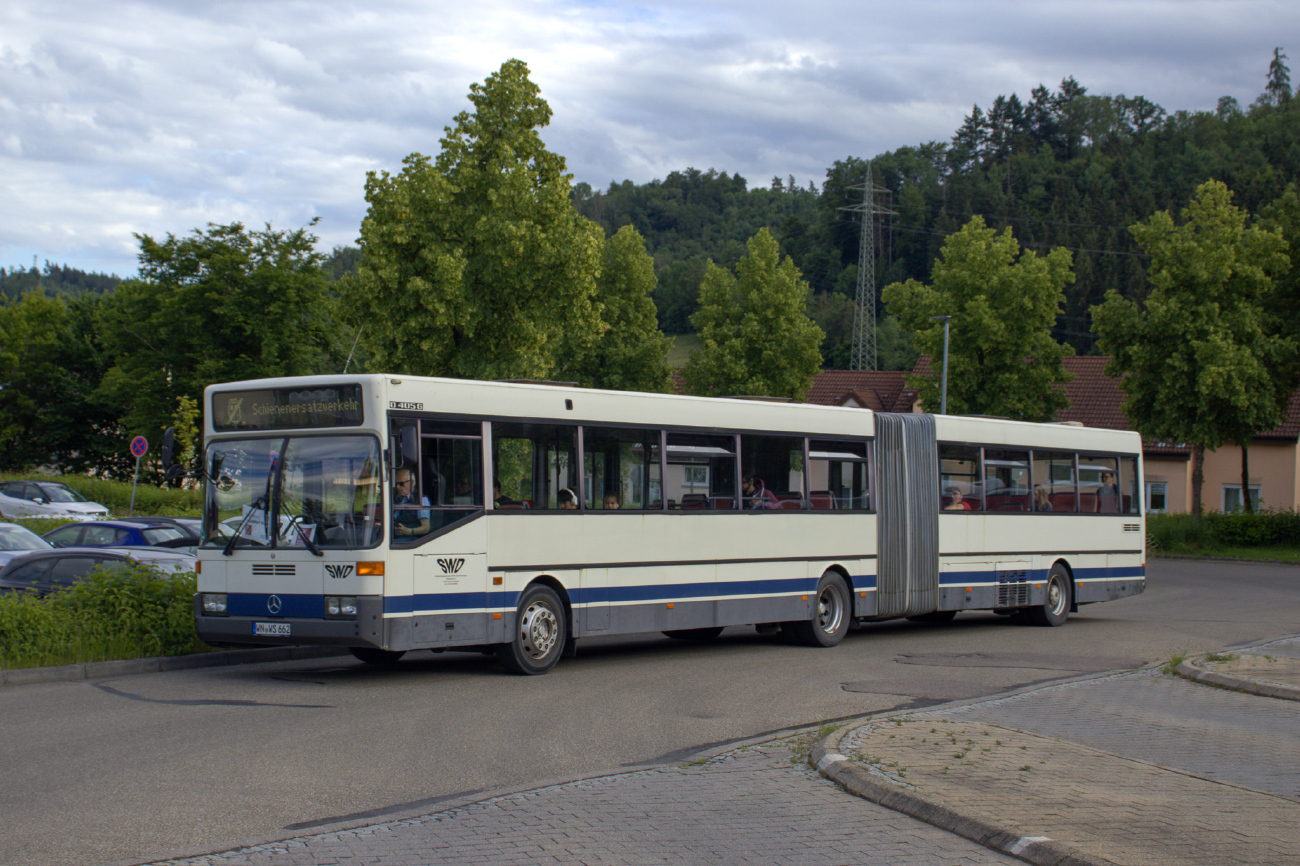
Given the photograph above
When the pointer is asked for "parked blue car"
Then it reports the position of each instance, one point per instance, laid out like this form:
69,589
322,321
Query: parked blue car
121,533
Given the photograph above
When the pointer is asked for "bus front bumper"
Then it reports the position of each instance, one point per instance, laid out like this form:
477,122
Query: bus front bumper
366,630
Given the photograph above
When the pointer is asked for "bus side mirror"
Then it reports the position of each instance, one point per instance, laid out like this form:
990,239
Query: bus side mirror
218,460
404,446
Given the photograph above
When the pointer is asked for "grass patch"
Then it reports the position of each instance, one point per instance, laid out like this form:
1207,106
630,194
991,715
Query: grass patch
117,612
116,495
683,345
1174,661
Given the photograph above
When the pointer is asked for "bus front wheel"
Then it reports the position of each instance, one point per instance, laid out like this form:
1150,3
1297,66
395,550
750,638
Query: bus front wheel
539,634
830,615
1056,607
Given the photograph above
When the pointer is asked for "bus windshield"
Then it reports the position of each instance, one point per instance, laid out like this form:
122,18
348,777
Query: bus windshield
298,492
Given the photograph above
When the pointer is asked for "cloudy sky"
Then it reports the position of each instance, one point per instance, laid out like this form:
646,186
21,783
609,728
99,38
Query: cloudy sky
151,116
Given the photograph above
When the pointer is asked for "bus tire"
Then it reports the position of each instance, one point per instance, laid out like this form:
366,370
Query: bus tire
540,632
1056,608
701,634
934,616
372,656
830,616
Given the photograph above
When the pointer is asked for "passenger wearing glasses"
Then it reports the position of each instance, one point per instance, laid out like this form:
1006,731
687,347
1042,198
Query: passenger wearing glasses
408,522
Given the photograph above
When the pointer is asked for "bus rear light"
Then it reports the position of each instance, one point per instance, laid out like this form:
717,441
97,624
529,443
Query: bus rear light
370,568
198,567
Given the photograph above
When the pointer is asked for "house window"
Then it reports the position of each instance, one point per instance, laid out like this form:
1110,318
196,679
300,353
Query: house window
1232,498
1157,497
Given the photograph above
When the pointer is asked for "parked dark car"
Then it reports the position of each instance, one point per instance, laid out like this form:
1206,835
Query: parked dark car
121,533
44,571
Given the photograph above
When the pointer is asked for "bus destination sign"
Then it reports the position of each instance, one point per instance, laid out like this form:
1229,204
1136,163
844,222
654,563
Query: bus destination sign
287,408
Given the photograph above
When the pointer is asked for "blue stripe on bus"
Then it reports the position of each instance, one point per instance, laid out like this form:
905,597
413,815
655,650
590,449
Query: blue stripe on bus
258,604
1117,572
609,594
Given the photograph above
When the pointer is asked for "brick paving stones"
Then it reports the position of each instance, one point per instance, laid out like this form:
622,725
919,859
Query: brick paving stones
1136,768
750,805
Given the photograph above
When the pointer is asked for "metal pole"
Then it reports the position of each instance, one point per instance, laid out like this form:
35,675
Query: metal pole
943,392
134,479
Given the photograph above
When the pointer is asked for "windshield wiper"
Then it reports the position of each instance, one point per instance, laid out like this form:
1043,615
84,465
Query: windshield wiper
305,536
258,505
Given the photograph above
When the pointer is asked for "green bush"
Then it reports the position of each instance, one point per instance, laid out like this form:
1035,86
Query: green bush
1183,532
116,495
117,612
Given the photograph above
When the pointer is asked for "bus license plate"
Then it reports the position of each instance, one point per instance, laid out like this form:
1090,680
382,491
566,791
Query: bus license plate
276,629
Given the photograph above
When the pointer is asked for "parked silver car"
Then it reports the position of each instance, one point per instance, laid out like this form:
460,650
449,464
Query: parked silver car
46,499
15,540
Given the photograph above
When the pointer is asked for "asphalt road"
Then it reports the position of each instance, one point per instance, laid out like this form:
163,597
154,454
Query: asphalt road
139,767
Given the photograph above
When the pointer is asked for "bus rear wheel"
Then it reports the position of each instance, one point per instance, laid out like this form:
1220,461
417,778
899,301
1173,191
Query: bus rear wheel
372,656
830,616
539,636
1056,607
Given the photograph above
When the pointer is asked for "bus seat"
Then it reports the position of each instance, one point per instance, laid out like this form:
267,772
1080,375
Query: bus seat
821,500
724,503
790,501
695,500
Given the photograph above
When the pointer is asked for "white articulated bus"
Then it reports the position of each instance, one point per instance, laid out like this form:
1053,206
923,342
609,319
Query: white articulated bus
392,513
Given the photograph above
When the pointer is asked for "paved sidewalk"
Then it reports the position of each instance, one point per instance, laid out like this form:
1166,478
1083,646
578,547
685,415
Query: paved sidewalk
751,805
1271,669
1136,768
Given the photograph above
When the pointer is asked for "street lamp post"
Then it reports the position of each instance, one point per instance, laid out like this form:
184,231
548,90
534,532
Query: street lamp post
943,398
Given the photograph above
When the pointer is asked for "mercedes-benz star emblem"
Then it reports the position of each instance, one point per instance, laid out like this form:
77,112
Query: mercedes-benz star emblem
273,603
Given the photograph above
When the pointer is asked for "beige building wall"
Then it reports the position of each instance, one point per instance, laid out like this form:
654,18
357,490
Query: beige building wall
1177,475
1272,467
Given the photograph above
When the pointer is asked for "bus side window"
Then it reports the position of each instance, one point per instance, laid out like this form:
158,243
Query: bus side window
959,478
1055,489
1130,485
837,475
621,469
534,462
702,471
775,465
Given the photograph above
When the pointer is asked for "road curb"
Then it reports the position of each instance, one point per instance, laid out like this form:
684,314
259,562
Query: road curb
1177,557
127,667
1038,850
1190,670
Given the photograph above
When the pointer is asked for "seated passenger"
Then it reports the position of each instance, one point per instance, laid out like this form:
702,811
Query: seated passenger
611,502
1041,502
955,502
567,499
757,496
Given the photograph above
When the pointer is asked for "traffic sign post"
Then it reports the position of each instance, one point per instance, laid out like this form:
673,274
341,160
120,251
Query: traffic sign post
139,447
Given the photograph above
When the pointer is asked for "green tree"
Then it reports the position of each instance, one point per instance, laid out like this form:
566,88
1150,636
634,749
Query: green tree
476,264
1198,357
1002,359
49,368
217,305
632,353
757,337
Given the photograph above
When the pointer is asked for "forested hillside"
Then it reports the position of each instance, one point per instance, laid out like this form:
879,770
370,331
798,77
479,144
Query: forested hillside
1061,168
55,279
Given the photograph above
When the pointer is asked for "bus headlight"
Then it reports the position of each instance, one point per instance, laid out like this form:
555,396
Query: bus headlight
341,606
214,604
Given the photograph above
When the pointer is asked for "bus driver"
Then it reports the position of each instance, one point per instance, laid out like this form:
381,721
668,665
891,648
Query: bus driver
408,522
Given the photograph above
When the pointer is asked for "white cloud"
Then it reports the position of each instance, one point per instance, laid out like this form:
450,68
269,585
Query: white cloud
149,116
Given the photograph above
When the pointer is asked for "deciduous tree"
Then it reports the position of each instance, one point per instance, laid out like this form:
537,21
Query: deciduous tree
757,337
1002,359
632,353
1199,357
475,263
